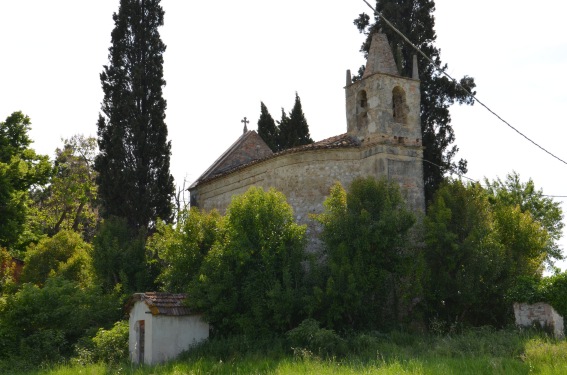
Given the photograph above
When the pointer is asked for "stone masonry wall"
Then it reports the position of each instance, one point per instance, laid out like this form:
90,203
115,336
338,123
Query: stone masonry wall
306,178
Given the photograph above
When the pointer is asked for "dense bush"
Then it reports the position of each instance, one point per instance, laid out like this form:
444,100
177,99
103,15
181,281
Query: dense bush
478,248
251,281
66,254
183,246
320,341
112,345
370,270
43,324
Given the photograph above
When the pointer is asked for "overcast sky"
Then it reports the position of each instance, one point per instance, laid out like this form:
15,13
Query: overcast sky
224,57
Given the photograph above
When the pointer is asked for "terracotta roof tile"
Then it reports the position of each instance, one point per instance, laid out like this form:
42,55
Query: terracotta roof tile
172,304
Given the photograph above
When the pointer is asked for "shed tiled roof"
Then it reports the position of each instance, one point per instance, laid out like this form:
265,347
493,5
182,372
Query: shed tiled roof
339,141
172,304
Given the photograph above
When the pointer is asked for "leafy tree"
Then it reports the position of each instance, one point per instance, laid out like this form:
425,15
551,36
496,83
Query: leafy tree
546,212
133,164
267,128
66,255
414,18
477,251
68,202
293,131
20,170
183,246
463,255
120,257
366,232
251,280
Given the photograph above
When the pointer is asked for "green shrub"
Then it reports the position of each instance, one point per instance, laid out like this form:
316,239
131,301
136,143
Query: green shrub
252,280
66,254
112,345
308,335
45,323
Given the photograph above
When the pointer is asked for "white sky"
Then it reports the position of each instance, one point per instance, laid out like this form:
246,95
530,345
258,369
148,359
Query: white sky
223,57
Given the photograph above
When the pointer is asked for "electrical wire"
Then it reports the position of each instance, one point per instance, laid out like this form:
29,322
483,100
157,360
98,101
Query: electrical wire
442,71
452,171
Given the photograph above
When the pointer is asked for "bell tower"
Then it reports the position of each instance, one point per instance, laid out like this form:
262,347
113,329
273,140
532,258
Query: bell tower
384,106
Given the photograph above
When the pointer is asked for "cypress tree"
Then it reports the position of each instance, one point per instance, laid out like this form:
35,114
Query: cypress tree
133,165
267,128
294,130
414,18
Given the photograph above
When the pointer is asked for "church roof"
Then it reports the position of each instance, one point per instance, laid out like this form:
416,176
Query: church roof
247,148
172,304
340,141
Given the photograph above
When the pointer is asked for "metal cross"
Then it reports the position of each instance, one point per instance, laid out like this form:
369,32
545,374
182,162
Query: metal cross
245,121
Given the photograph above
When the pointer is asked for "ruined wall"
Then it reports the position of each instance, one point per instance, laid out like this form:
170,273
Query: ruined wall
540,314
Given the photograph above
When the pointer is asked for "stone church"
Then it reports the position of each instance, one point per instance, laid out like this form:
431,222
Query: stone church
382,139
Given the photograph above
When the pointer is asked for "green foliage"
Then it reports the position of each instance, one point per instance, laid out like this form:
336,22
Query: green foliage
68,202
463,256
111,346
309,336
293,130
65,255
479,248
251,280
547,213
20,169
267,128
7,271
555,292
366,232
120,258
42,324
414,18
550,289
133,163
183,246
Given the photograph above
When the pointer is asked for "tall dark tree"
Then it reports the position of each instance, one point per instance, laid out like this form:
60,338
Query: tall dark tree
267,128
293,129
414,18
133,165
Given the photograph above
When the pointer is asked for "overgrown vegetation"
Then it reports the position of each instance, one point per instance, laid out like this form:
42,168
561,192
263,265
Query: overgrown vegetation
389,292
478,351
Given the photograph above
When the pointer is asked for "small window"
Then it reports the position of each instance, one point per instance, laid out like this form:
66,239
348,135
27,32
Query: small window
362,100
399,106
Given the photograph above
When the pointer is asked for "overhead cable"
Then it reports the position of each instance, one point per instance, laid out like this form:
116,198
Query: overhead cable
442,71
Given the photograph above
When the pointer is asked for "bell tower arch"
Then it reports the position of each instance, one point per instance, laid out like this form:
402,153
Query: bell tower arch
382,105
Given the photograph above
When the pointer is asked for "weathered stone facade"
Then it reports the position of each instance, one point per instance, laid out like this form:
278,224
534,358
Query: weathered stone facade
541,314
383,140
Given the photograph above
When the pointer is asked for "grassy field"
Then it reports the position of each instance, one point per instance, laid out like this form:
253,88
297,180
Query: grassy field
473,352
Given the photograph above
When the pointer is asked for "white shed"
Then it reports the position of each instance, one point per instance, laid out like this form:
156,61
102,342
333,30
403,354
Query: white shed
162,326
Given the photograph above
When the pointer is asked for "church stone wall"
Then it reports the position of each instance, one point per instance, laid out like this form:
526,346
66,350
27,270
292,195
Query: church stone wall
306,177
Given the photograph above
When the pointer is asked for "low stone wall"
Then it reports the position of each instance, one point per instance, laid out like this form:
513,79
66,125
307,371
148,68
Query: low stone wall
539,313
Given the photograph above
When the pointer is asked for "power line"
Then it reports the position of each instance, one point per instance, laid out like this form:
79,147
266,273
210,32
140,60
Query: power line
453,171
457,83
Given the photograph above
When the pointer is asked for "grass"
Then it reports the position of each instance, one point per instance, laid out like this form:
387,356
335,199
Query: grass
476,352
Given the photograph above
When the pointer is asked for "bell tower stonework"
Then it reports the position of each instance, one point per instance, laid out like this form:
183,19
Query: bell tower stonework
383,106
